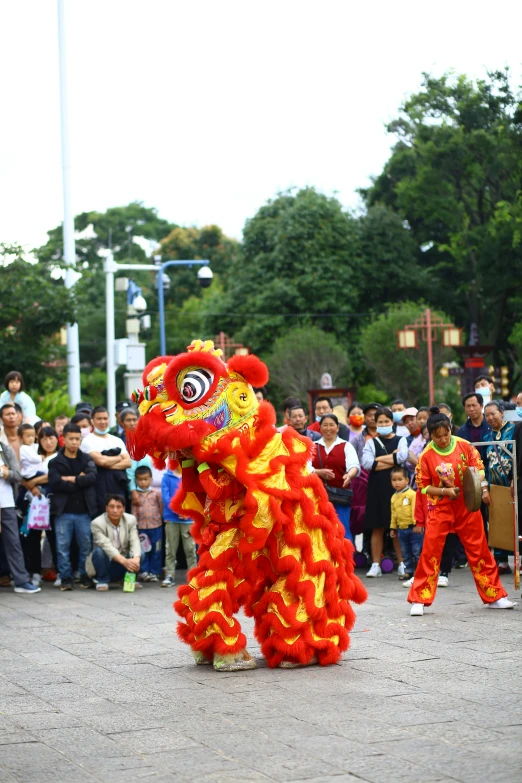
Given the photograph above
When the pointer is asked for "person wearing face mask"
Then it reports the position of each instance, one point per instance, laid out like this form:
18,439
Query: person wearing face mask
355,420
398,408
83,421
485,386
360,484
499,466
406,456
110,456
379,456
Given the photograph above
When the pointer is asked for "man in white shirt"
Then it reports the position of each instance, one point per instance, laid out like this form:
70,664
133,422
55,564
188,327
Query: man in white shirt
110,456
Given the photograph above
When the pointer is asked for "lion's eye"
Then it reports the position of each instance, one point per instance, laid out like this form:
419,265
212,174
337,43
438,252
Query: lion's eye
196,384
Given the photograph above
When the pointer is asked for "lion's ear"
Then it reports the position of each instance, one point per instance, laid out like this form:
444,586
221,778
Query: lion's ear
157,362
253,370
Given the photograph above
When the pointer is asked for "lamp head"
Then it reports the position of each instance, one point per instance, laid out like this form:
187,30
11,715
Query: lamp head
205,275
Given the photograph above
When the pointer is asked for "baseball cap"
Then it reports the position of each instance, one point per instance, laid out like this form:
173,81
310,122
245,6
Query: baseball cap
409,412
121,406
84,407
372,405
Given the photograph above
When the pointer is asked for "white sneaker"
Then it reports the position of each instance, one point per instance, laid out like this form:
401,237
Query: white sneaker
442,581
36,579
375,570
408,582
168,582
417,610
502,603
144,576
401,569
57,582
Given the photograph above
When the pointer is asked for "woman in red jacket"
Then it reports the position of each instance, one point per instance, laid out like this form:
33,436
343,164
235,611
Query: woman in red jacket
336,462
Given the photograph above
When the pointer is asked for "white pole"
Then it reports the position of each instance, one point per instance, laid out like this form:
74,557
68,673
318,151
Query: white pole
110,267
69,249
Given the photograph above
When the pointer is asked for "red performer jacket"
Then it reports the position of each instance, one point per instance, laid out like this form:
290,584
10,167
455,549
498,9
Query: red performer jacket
445,468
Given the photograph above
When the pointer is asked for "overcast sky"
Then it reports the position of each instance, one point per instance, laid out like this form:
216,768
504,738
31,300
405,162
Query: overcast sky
206,109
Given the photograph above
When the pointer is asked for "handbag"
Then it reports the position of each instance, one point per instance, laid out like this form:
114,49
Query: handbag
38,517
337,495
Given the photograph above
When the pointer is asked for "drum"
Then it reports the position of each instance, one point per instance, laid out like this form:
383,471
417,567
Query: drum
472,489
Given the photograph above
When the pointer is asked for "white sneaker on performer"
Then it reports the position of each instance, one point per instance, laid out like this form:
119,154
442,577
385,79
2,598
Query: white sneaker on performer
375,570
442,581
401,569
408,582
502,603
417,610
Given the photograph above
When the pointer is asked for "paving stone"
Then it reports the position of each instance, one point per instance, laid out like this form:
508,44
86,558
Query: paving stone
99,688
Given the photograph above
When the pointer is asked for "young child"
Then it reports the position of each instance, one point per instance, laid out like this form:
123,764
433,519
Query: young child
148,510
30,460
31,463
403,520
59,424
176,527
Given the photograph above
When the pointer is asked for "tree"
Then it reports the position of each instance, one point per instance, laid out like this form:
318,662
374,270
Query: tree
389,267
300,357
33,308
197,243
400,373
455,175
297,267
128,231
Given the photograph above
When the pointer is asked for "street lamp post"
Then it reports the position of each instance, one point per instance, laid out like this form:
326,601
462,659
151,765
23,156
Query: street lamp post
69,248
427,325
110,268
161,293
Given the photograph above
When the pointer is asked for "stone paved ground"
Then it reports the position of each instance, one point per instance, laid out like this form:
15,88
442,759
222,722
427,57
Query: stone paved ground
96,687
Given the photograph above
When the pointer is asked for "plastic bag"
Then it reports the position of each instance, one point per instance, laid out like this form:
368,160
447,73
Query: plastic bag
39,514
145,543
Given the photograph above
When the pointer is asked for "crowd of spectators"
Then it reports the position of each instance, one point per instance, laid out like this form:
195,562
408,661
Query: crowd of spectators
105,514
109,515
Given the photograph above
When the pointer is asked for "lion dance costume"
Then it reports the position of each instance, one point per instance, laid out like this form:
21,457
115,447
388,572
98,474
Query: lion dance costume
268,538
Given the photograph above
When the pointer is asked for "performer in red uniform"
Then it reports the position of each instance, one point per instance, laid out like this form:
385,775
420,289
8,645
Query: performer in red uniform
439,474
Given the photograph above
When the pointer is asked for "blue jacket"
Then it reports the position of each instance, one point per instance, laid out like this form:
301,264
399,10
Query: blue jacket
169,486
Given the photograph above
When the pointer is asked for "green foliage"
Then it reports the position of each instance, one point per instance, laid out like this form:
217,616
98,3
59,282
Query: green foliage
94,386
300,357
51,400
448,392
197,243
400,373
117,228
389,269
455,175
33,308
297,268
368,392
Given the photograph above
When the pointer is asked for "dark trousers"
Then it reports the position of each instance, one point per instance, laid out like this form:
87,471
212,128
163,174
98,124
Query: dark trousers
151,562
448,553
12,547
32,549
106,570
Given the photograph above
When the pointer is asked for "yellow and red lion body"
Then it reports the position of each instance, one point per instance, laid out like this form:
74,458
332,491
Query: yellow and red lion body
268,538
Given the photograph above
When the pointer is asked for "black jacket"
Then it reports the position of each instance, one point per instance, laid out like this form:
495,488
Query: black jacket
58,467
